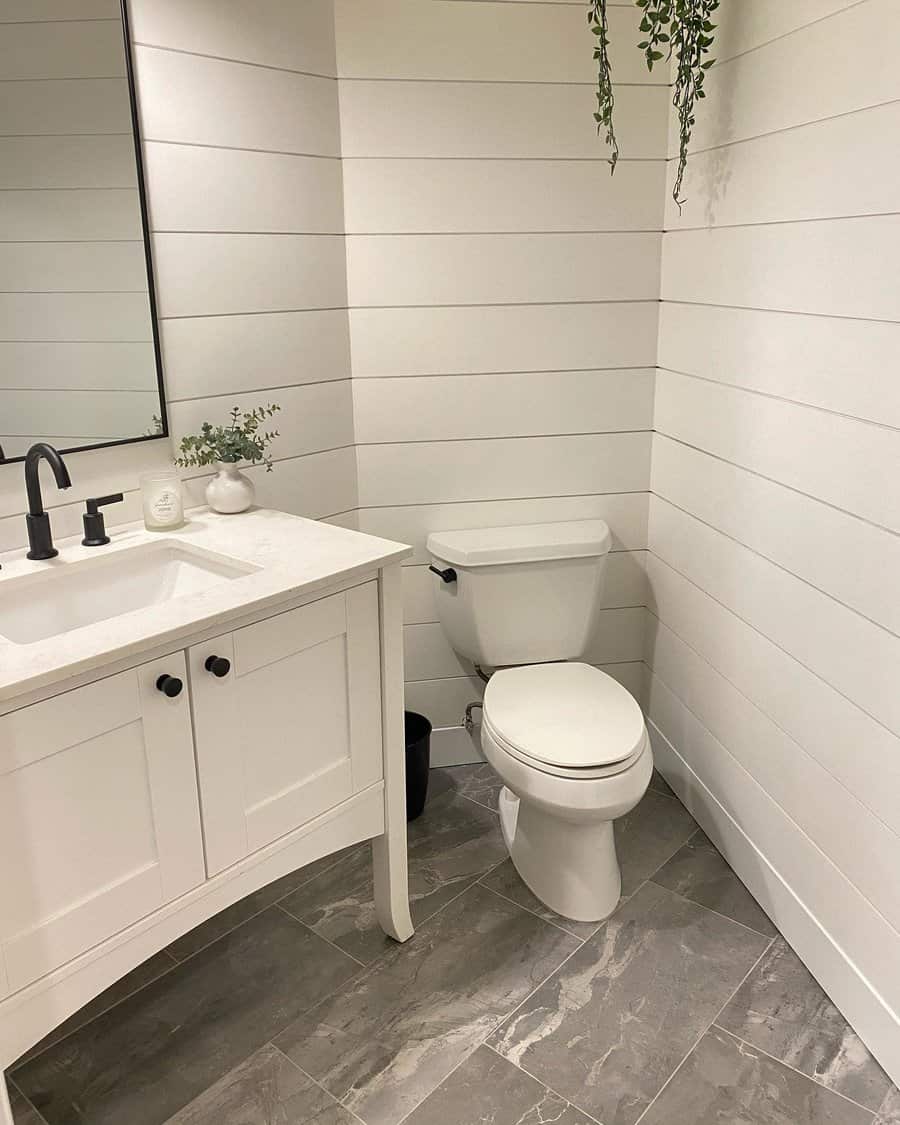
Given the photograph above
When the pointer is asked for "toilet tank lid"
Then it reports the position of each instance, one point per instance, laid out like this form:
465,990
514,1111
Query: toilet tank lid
537,542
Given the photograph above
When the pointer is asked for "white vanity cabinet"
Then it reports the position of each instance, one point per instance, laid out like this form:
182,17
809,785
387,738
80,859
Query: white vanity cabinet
287,715
170,760
99,817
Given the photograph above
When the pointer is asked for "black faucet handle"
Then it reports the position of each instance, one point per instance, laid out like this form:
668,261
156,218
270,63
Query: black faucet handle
96,503
94,525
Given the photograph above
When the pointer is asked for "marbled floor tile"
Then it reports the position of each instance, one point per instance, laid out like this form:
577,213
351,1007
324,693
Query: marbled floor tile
726,1082
23,1112
160,1048
782,1010
266,1089
488,1090
699,872
506,881
477,782
246,908
611,1025
889,1110
649,835
138,978
386,1040
660,785
452,843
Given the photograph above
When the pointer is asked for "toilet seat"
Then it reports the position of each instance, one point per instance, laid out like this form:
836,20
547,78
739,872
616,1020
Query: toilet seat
567,719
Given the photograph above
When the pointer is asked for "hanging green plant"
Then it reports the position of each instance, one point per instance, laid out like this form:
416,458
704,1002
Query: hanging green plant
682,28
606,99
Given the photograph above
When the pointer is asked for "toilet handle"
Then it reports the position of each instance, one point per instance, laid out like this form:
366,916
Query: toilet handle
448,575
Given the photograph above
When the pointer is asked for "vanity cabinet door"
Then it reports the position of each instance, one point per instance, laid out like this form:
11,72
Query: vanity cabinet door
292,726
99,816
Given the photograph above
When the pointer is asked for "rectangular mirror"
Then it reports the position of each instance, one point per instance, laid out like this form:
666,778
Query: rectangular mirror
79,349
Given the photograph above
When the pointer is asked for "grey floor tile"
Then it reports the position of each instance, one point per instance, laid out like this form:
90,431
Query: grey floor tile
239,912
889,1110
477,782
453,843
389,1038
782,1010
160,1048
609,1028
138,978
266,1089
506,881
699,872
660,785
726,1082
488,1090
649,835
24,1112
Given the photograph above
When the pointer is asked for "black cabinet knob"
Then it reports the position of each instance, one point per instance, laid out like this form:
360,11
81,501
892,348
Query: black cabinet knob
169,685
218,665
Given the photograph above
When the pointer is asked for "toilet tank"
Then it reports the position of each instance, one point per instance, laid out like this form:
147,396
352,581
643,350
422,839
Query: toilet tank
521,595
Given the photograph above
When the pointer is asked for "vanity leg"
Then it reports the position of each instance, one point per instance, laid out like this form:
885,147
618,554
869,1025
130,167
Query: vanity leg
6,1114
389,850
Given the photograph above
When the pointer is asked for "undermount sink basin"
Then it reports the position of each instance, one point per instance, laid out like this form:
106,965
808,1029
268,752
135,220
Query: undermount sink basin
72,595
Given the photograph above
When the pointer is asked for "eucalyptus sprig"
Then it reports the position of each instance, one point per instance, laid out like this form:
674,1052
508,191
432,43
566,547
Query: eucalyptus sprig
598,21
241,440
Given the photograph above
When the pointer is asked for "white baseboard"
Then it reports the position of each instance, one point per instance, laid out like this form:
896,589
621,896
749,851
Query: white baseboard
865,1009
454,746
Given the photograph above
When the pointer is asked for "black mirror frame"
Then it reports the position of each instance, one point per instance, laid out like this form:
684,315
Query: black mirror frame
148,257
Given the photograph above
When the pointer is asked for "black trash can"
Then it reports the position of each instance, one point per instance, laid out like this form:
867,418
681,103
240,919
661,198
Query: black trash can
418,762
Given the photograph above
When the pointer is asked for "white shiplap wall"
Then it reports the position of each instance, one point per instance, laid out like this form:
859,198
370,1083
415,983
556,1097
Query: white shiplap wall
503,294
239,111
774,553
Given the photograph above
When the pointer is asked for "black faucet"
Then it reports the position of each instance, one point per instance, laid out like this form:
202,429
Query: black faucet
40,541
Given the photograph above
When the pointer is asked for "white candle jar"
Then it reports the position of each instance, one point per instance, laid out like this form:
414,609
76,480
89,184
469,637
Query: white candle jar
161,500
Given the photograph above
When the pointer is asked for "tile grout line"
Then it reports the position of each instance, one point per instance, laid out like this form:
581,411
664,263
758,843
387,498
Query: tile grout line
705,1031
535,914
483,1042
29,1104
558,968
475,800
562,1097
371,966
710,910
28,1058
315,1082
422,1101
256,914
182,961
293,917
788,1066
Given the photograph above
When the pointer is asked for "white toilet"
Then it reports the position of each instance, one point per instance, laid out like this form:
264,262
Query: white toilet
568,741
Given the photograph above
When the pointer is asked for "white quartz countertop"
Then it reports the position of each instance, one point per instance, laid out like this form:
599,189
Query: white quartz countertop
293,557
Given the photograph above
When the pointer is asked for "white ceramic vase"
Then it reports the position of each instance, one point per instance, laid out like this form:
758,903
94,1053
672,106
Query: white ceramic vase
229,491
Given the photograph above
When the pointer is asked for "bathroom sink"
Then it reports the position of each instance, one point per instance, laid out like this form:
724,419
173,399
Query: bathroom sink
70,596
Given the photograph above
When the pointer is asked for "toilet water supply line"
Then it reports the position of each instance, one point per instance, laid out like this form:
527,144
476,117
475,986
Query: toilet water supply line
469,721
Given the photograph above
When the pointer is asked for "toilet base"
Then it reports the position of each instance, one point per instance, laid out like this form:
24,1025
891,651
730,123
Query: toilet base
570,866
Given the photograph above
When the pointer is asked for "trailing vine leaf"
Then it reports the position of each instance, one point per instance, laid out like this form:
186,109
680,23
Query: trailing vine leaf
692,37
680,27
655,24
606,101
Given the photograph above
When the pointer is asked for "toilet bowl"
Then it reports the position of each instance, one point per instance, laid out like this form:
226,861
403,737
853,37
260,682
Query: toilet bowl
571,747
568,741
